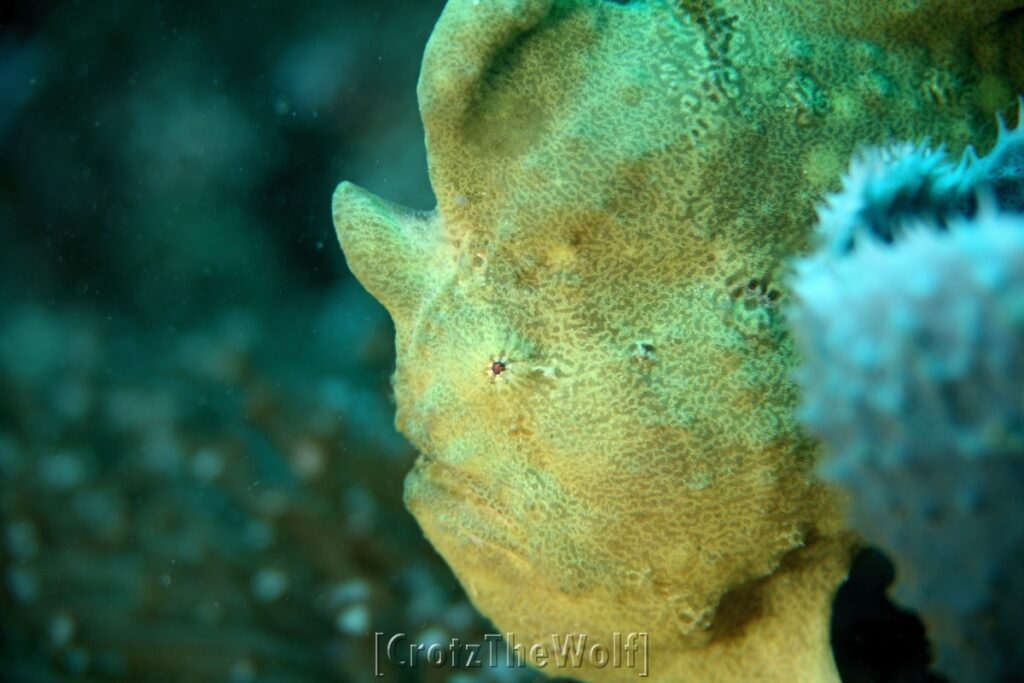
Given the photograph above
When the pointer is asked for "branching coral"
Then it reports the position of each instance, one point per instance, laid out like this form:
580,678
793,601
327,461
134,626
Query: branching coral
591,357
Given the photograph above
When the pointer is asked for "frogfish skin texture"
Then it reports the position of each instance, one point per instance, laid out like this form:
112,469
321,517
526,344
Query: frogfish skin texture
591,359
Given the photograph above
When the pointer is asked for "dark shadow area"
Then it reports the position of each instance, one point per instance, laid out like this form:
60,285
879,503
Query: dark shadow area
873,640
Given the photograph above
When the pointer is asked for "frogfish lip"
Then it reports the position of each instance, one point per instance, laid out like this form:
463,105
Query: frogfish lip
457,515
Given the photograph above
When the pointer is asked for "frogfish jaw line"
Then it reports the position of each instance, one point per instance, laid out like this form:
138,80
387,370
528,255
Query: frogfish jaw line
454,512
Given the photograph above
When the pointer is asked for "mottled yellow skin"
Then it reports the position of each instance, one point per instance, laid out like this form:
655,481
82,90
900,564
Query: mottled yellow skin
619,189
